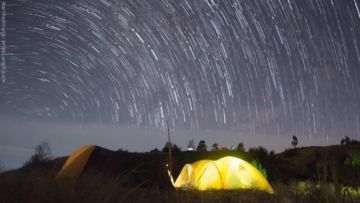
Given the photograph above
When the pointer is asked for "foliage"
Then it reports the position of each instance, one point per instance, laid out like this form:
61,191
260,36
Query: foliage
174,148
201,146
41,154
260,152
36,185
240,147
155,150
346,140
100,187
256,163
215,147
294,141
353,159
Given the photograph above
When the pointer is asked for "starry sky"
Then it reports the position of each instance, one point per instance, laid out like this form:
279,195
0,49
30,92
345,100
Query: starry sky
114,71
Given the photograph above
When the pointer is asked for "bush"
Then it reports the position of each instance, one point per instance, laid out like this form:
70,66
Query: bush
174,148
41,155
256,163
353,159
260,153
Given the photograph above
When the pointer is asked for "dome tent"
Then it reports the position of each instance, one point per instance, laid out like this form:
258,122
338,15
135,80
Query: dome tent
226,173
90,157
92,160
75,164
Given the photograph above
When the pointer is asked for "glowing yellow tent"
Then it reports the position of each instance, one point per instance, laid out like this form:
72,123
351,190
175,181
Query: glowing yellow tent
75,164
226,173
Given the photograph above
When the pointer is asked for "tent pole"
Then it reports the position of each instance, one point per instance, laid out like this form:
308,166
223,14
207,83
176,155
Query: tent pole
169,147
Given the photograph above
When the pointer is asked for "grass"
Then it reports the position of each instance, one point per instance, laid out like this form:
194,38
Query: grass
99,187
322,179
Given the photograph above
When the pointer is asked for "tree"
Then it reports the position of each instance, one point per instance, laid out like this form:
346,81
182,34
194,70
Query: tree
345,140
240,147
260,152
155,150
41,154
174,147
294,141
201,146
215,147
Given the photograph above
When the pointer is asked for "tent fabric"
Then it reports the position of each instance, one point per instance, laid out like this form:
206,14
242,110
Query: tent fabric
75,164
226,173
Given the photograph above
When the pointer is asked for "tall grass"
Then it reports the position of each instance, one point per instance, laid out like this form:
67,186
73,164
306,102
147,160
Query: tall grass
100,187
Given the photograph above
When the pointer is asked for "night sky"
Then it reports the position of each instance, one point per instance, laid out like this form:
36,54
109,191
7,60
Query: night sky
112,72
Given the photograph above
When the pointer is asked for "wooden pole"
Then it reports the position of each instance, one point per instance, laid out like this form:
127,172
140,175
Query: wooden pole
169,147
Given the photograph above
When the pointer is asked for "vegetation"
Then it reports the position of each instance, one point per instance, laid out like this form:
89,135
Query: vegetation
174,147
201,146
100,187
215,147
294,141
42,154
305,174
240,147
346,140
353,159
256,163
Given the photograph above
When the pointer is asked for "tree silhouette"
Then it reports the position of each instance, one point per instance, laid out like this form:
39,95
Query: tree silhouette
215,147
174,147
240,147
260,152
345,140
294,141
201,146
155,150
41,155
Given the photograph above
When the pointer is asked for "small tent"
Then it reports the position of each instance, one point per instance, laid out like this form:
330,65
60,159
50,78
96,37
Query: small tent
89,157
226,173
75,164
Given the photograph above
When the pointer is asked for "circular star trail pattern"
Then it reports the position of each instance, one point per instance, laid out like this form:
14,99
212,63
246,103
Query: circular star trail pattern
272,67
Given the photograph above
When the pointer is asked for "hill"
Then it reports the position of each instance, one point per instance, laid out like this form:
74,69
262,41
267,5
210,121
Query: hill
147,171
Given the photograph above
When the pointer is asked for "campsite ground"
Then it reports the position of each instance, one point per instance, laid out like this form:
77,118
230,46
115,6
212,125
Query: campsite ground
297,175
100,188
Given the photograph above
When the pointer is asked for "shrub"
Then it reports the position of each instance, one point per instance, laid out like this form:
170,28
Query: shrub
256,163
41,155
353,159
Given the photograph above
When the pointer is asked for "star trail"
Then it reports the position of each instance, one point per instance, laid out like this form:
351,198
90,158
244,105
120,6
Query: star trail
269,67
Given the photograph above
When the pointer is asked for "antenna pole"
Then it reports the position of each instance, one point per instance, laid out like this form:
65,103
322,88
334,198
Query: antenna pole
169,147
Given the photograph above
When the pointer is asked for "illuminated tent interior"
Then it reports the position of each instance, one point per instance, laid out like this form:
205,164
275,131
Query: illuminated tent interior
227,173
